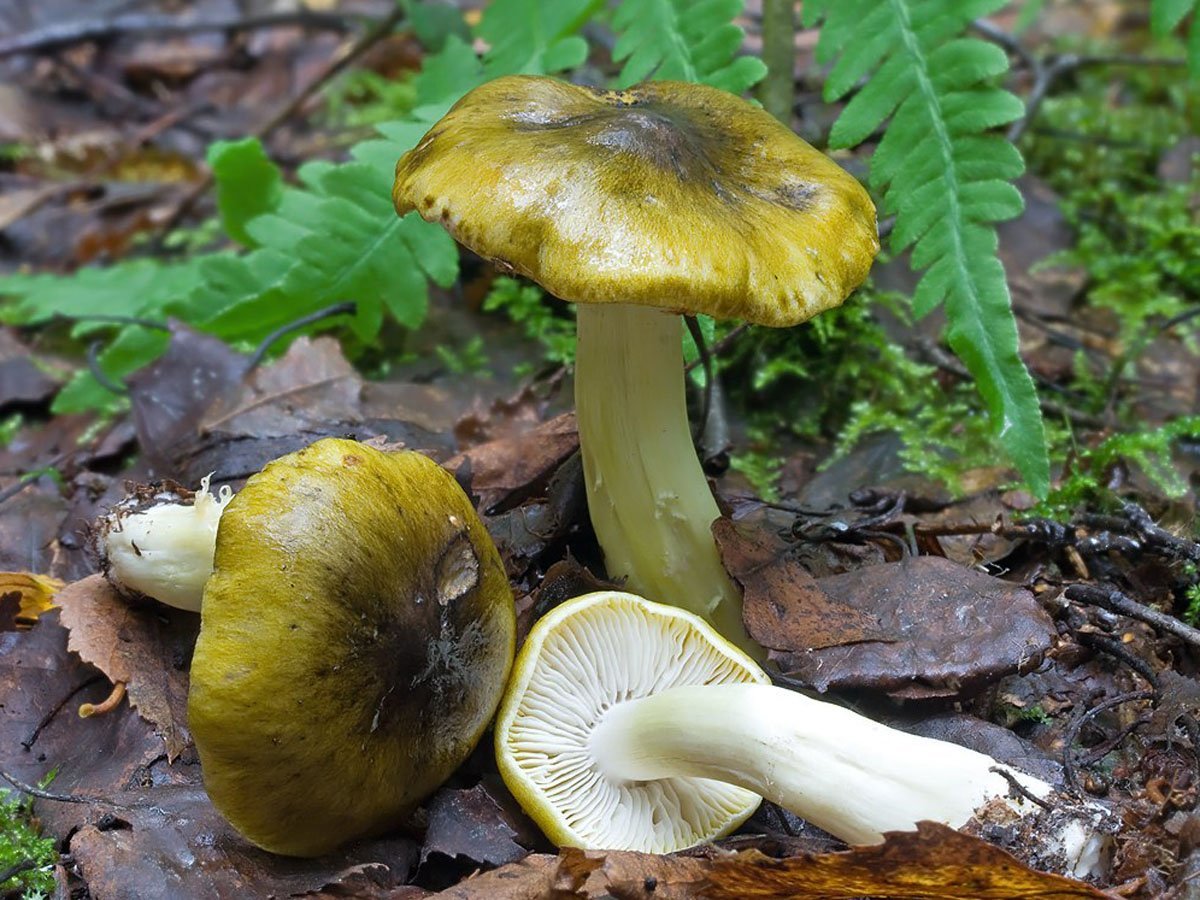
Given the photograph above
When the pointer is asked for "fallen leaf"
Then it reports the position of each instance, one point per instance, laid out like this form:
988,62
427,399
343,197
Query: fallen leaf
932,863
783,606
24,596
309,393
169,396
470,824
143,829
513,468
952,630
144,647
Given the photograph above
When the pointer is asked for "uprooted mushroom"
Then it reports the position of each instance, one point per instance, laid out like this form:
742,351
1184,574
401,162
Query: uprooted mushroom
633,725
639,205
357,630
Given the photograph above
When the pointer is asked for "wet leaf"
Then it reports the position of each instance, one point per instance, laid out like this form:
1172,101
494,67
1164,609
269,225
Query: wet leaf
23,597
471,824
509,469
932,863
952,629
783,606
143,829
145,647
169,396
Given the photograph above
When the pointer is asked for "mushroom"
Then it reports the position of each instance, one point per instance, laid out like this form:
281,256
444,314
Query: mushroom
356,635
639,205
159,542
633,725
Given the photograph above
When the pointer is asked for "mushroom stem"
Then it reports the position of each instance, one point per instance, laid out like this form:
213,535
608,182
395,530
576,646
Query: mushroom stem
649,500
841,771
165,549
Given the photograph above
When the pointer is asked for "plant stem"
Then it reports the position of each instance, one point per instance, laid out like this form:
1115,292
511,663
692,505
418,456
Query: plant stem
777,92
649,500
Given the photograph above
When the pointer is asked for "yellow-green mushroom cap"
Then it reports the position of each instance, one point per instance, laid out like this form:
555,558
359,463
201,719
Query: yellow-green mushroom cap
671,195
356,635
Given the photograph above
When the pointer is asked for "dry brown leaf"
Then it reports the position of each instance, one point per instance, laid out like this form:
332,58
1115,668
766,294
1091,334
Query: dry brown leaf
932,863
783,606
23,597
145,648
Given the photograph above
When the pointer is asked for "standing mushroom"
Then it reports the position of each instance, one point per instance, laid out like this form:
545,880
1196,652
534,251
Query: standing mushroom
356,635
641,204
628,723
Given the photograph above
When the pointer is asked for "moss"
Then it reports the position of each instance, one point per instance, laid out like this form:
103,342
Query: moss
21,844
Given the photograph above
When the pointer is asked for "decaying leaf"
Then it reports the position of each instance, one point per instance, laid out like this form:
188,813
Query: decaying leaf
783,606
23,597
146,648
470,824
508,469
952,629
933,863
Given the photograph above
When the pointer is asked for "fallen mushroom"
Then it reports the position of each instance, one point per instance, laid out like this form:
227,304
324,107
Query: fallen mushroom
356,635
632,725
641,204
159,543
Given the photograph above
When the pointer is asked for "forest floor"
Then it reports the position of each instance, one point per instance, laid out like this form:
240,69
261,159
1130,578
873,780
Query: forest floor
1072,651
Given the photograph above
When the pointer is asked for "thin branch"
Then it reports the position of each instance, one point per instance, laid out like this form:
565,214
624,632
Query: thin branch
64,34
1114,601
1049,69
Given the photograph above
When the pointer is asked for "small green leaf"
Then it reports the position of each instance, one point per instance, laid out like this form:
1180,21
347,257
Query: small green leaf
248,184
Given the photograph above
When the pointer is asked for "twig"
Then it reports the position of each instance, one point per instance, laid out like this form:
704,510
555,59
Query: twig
1114,601
1047,70
330,70
41,794
705,358
1151,532
719,347
45,720
25,865
1119,651
348,307
1019,789
54,37
1076,726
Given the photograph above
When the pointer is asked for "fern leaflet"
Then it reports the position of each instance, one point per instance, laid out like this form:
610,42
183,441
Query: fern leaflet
944,176
683,41
1166,16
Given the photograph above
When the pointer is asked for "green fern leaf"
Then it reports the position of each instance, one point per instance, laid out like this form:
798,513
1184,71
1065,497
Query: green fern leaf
248,184
683,41
339,229
1166,16
944,177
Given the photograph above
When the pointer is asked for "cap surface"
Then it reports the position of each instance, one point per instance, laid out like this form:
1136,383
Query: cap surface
356,633
580,659
673,195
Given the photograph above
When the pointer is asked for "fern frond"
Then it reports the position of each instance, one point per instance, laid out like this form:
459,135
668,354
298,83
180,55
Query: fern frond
1167,15
945,177
683,40
332,237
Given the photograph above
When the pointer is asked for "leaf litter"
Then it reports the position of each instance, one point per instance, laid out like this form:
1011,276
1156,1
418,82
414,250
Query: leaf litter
856,616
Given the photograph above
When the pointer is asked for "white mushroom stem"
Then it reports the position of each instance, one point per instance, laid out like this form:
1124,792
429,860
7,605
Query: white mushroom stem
839,770
166,550
649,500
